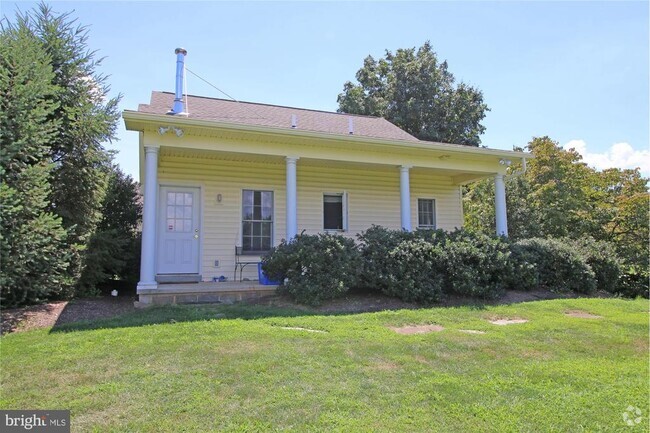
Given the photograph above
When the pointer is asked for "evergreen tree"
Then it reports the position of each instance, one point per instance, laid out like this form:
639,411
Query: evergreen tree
87,118
56,115
33,252
114,249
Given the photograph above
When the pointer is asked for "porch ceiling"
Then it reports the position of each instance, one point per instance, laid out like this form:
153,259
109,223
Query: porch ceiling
458,176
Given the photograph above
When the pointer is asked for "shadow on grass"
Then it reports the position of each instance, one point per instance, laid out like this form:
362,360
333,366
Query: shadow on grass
185,313
357,303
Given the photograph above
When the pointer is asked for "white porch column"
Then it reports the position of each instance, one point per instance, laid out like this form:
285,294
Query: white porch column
405,197
292,198
148,256
500,205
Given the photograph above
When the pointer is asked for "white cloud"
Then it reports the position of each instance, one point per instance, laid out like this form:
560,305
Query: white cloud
619,155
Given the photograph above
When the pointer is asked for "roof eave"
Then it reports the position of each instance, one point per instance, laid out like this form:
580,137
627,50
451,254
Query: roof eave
131,117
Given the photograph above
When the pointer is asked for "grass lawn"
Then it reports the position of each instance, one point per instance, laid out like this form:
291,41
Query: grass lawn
236,368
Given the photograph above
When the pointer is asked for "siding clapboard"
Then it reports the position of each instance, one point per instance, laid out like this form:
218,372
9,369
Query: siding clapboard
373,198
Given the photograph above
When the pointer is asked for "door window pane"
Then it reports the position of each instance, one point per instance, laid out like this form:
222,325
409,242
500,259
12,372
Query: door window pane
179,212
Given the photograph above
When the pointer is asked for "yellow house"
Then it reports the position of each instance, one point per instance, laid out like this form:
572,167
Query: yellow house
225,181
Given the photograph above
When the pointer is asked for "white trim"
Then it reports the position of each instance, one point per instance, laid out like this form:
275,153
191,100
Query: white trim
344,201
435,212
240,235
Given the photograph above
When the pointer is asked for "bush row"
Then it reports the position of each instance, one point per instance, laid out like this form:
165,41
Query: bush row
425,265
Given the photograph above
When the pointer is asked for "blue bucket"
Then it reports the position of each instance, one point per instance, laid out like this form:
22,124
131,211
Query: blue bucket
264,280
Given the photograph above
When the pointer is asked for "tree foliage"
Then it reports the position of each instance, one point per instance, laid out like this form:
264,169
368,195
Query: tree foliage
87,118
33,253
415,91
560,196
56,115
114,249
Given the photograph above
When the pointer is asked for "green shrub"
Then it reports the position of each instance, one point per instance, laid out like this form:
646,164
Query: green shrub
475,264
424,265
414,272
376,243
314,268
522,272
603,260
557,266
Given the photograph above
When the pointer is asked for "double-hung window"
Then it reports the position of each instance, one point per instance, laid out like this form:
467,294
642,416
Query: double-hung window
257,221
335,212
426,213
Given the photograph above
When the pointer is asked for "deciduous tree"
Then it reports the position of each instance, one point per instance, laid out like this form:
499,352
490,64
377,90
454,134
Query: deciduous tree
560,196
415,91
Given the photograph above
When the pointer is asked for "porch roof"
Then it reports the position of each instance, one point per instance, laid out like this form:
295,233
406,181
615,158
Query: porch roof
276,116
247,136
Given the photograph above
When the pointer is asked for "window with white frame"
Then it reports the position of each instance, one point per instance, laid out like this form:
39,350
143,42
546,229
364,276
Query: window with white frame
335,212
426,213
257,221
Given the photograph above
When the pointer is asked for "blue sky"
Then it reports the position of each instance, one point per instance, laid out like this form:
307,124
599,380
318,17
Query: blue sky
575,71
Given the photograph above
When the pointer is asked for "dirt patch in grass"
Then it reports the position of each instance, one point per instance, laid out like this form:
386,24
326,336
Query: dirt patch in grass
471,331
384,366
512,321
60,312
34,316
582,314
417,329
297,328
422,360
535,354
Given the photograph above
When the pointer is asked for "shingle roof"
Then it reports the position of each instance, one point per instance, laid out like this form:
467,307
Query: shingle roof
247,113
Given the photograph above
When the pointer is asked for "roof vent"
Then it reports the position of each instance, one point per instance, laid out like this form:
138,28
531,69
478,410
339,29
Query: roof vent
179,106
294,121
350,126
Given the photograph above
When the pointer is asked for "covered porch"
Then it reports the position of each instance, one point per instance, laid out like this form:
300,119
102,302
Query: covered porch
376,181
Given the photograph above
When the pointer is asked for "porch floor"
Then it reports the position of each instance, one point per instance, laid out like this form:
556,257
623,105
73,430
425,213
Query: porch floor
203,292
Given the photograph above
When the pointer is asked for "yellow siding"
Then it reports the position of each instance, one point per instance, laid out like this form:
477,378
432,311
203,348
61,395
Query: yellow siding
373,198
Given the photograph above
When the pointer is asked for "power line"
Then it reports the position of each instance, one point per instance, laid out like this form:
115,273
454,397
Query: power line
209,83
221,91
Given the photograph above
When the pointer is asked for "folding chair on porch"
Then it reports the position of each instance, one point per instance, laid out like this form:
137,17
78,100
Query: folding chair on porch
239,264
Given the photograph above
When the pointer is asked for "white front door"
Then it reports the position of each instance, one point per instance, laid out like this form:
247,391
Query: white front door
179,230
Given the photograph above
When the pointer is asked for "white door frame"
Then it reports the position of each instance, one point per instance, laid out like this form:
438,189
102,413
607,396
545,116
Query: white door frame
201,207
